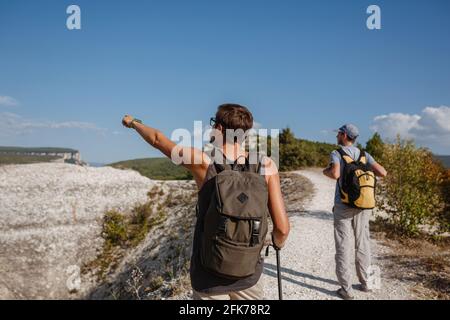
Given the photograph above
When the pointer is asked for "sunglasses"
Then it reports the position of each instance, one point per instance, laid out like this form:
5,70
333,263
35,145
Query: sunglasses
212,122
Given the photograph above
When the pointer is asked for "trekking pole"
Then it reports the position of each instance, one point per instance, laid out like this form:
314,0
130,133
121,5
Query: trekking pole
280,289
277,251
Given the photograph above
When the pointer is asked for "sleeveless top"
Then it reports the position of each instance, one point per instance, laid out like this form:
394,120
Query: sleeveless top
202,280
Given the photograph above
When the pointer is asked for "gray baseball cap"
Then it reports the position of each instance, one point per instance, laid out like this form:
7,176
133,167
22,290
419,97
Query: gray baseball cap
350,129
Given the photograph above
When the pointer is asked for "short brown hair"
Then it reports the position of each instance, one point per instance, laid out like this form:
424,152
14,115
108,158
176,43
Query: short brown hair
234,116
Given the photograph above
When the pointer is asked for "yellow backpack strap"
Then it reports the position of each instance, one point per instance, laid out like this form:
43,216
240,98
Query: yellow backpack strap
362,157
345,156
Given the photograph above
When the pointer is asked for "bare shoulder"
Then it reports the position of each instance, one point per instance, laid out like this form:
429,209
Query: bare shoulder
268,168
267,162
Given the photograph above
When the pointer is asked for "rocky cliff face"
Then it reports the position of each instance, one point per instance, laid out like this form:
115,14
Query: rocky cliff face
50,224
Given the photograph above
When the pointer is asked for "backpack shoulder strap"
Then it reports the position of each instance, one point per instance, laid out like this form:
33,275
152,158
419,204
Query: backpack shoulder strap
258,166
347,159
235,166
362,157
239,166
220,166
247,166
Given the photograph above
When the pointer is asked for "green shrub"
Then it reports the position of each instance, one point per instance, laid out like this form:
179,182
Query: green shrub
114,228
121,230
141,213
155,283
412,193
125,231
138,225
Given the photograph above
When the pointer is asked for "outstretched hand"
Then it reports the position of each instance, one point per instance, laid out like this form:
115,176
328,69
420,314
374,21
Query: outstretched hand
126,121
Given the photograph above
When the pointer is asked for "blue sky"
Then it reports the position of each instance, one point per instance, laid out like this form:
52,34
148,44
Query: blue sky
309,65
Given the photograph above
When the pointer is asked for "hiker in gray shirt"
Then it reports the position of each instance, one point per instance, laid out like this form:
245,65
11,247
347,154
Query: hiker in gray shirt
351,222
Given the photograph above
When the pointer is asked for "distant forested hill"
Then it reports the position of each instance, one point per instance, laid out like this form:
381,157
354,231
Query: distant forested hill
294,154
36,150
155,168
24,159
299,153
445,160
24,155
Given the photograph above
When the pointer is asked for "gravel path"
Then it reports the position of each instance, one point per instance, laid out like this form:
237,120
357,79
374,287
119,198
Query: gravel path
308,258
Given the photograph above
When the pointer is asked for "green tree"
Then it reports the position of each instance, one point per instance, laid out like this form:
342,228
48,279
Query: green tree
375,146
289,151
412,193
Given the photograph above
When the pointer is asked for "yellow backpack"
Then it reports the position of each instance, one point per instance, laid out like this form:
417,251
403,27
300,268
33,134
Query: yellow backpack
358,182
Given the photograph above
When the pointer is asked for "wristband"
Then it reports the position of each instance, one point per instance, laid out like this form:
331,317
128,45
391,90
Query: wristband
135,120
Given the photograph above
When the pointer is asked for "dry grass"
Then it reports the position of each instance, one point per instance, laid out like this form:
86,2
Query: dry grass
159,233
423,261
122,232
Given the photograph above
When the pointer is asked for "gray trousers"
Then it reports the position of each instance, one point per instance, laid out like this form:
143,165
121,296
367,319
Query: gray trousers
351,224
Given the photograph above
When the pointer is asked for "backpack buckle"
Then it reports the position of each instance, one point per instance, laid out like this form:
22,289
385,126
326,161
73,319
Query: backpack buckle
256,224
223,225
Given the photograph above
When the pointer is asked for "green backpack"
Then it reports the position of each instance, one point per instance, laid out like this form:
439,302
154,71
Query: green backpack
236,222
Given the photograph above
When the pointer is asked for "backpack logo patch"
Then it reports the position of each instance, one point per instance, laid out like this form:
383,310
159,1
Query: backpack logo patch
242,197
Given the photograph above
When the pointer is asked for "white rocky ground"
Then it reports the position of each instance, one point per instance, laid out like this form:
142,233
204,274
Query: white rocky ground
50,223
307,260
50,220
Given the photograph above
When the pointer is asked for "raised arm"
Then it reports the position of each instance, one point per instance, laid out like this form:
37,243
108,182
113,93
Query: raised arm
192,158
153,136
281,226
